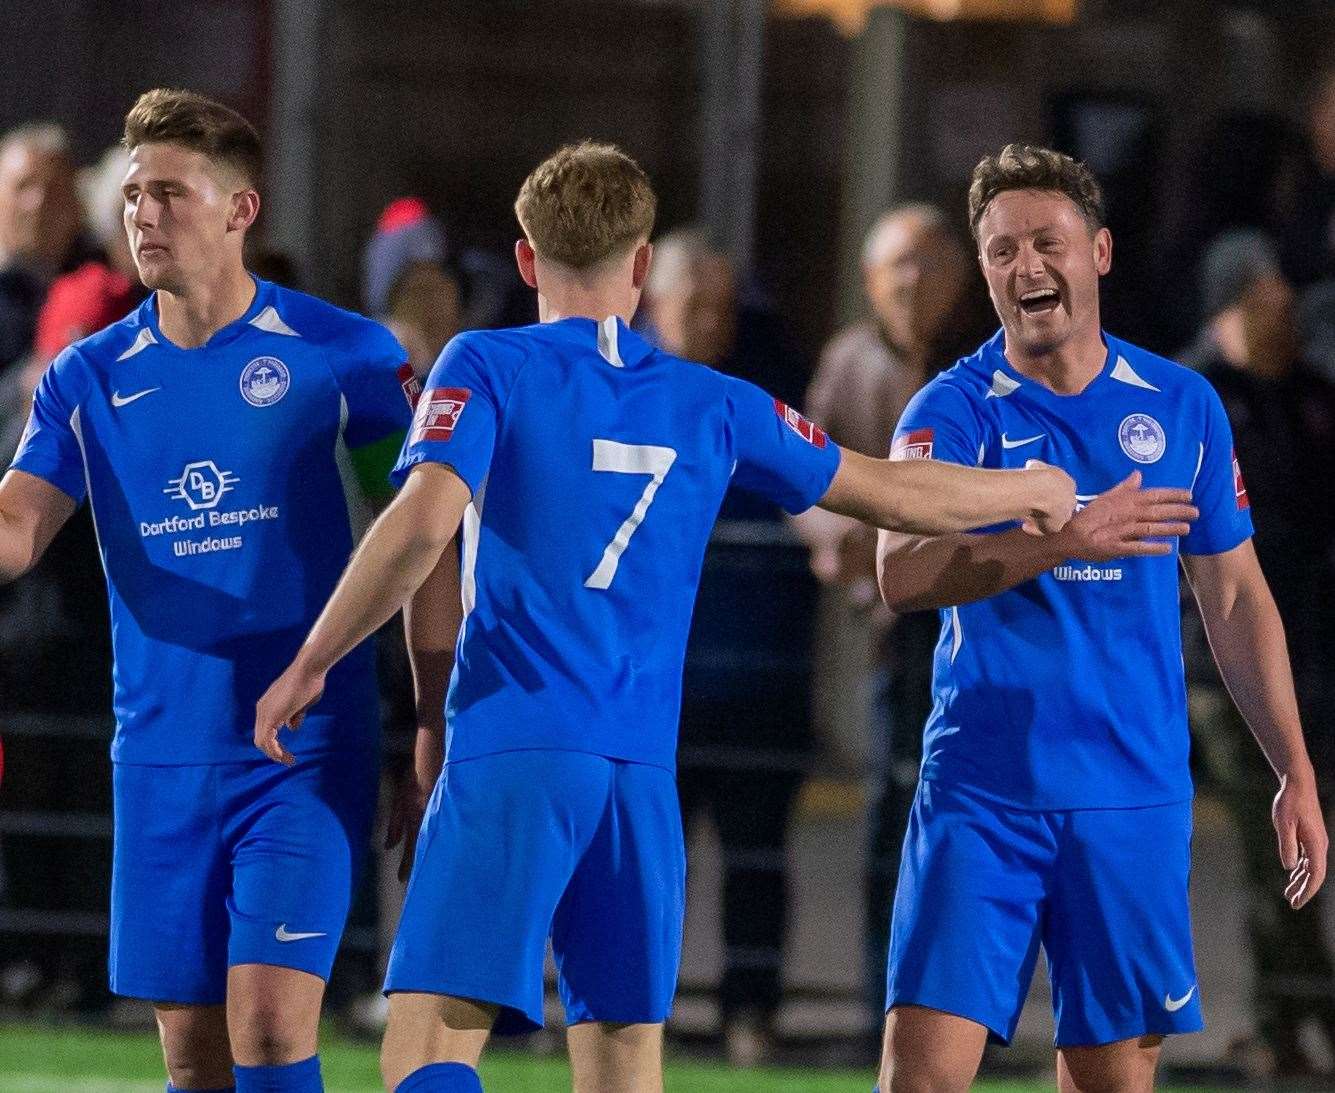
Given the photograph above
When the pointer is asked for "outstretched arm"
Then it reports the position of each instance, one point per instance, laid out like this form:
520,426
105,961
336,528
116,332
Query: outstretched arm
31,512
927,497
399,552
1247,638
917,573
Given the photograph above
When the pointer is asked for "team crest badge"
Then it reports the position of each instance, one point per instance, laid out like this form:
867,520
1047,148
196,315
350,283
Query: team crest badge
264,381
1142,438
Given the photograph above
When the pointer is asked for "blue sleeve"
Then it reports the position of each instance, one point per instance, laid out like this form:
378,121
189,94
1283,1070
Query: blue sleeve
1218,490
938,423
456,419
49,447
372,372
780,454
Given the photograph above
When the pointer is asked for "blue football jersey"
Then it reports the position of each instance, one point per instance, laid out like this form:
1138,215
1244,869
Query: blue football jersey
1067,691
597,465
214,478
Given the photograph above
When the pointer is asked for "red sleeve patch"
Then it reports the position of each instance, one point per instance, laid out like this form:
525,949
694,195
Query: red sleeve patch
807,430
1239,486
412,386
438,413
915,444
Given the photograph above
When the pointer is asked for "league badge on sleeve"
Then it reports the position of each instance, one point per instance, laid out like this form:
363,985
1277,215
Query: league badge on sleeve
807,430
412,386
438,413
915,444
1239,486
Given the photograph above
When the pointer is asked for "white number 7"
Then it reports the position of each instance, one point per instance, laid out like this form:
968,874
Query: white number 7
650,459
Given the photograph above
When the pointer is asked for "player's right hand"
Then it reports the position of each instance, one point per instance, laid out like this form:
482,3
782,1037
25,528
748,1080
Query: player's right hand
285,704
1053,500
1128,521
413,792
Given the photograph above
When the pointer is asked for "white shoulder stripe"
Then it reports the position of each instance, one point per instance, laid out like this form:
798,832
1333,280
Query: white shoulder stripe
1200,461
269,320
1002,385
1124,372
607,342
141,342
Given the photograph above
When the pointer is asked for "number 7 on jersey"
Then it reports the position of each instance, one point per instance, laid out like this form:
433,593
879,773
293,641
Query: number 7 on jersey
650,459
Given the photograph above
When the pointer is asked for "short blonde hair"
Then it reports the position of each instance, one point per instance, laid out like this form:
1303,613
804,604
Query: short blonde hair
1027,167
586,203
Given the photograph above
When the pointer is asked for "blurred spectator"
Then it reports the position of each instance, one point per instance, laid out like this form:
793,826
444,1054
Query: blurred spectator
1307,232
39,229
925,311
58,615
409,282
1283,418
744,723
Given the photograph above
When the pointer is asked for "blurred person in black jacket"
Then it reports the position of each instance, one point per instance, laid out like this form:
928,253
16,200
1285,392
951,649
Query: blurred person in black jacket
1283,416
745,726
924,310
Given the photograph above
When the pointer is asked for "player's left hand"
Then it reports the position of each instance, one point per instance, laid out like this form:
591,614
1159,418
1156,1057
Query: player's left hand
285,704
1303,841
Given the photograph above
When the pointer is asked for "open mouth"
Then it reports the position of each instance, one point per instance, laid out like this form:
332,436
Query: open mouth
1040,301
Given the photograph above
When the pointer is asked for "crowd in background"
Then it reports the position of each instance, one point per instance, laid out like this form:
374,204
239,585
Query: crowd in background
794,664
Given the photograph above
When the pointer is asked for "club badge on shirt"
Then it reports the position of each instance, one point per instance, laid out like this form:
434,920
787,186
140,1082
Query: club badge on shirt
915,444
807,430
438,413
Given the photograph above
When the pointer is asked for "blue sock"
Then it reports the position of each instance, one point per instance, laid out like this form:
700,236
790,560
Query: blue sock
441,1078
224,1089
302,1077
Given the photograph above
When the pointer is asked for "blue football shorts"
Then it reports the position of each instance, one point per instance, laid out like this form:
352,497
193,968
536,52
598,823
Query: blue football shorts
233,863
1104,891
523,846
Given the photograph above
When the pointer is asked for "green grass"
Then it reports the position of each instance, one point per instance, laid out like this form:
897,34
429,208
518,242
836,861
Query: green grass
40,1059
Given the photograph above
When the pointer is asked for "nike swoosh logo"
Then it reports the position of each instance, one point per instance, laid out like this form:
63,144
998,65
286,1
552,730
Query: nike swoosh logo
118,400
282,935
1172,1005
1006,442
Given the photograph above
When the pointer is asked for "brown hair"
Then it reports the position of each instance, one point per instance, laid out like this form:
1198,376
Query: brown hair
1026,167
197,123
586,203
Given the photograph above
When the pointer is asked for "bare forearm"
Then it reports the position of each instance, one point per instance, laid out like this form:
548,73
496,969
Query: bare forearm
1247,638
16,548
933,498
918,574
431,620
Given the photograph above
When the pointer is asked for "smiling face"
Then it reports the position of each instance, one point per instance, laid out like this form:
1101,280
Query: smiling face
1042,260
185,215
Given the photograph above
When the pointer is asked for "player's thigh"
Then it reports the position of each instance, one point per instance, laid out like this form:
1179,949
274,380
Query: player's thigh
499,844
195,1045
432,1028
607,1056
926,1049
1126,1066
1118,932
616,935
169,884
298,838
965,932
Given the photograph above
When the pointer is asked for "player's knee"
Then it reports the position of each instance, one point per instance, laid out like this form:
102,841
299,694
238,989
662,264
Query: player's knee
263,1034
1126,1067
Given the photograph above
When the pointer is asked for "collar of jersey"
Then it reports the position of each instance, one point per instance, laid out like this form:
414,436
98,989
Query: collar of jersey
631,346
994,358
229,333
